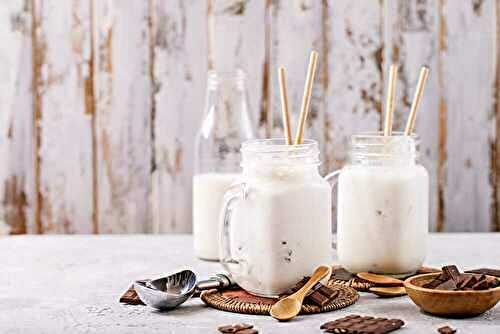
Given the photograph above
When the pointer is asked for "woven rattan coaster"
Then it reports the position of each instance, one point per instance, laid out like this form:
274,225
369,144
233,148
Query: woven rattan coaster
240,301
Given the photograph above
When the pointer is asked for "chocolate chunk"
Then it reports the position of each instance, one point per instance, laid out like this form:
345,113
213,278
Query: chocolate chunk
451,272
362,325
467,281
323,295
435,282
248,331
447,285
493,282
296,287
446,330
482,284
319,299
237,328
130,297
486,271
319,295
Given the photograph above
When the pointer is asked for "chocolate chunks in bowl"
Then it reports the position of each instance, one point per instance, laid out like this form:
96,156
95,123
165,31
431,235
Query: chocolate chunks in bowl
452,280
452,273
467,282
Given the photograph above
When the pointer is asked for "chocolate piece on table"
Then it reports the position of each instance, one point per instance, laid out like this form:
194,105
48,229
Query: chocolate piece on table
482,284
248,331
452,272
130,297
485,271
446,330
237,328
362,325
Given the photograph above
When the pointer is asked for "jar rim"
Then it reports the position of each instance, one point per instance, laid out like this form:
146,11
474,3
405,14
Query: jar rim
275,150
271,145
379,134
375,148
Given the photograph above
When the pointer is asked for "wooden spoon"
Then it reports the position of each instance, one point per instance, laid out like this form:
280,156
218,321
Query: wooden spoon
380,279
393,291
287,308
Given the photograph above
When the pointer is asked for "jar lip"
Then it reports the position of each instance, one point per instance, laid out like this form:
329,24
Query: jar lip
380,134
275,151
271,145
375,148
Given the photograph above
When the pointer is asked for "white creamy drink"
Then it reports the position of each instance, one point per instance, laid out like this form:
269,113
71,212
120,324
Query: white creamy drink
208,192
281,231
383,210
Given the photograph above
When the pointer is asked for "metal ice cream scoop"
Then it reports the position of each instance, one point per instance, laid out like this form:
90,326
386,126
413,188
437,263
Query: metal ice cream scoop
168,292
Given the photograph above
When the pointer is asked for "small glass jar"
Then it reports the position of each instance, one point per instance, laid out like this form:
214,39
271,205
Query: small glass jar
276,221
226,124
383,206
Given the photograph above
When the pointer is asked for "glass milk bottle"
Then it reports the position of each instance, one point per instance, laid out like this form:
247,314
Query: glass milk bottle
276,222
383,198
226,124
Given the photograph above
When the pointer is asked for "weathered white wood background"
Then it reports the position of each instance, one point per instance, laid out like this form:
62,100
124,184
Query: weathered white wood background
100,99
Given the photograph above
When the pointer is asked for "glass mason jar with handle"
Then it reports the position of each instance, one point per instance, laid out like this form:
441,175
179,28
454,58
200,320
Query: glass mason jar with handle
226,124
276,221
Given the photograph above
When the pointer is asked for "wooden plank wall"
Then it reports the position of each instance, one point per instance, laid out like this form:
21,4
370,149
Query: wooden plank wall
100,100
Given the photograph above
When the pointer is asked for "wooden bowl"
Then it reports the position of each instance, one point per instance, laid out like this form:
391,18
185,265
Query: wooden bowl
454,304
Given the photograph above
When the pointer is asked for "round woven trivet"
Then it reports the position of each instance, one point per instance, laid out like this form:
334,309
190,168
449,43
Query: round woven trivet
240,301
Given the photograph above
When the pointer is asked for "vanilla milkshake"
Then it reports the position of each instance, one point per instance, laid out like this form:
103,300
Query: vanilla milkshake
383,198
278,221
208,192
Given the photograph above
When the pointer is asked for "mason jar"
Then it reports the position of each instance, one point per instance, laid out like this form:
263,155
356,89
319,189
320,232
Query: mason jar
383,205
276,220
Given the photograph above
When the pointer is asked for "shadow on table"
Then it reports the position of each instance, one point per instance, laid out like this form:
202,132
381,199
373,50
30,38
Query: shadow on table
182,310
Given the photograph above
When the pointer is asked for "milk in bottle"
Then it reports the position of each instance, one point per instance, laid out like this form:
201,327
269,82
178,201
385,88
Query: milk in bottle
225,126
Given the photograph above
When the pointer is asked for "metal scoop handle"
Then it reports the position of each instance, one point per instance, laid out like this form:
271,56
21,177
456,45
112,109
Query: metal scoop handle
218,281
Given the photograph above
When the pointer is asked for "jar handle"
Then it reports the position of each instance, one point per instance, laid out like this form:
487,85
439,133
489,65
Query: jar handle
333,179
236,192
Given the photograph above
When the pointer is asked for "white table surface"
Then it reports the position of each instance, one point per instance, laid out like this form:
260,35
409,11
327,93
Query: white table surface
71,284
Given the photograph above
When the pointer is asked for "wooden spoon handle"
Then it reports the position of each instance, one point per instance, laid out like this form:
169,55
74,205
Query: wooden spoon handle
319,273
